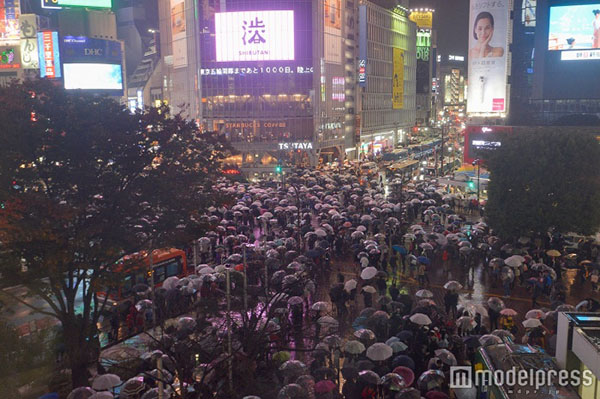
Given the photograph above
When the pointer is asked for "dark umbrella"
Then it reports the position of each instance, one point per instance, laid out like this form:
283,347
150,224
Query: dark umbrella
405,361
472,341
365,365
349,372
431,379
324,373
314,253
405,336
409,393
367,312
368,377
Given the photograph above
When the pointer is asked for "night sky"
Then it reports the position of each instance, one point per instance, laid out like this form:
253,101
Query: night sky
451,20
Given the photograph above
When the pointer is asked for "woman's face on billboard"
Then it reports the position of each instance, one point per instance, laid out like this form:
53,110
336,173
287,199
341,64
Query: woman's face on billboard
484,30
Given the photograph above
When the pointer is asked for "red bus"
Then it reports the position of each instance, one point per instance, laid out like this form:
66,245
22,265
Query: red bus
167,262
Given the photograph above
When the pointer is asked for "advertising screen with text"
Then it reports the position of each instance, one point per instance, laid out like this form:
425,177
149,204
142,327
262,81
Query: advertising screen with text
254,36
575,30
90,76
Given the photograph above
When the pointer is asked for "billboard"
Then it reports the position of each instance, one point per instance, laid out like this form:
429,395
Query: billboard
179,33
362,45
85,3
105,76
86,49
254,36
10,10
488,57
575,28
10,57
29,45
528,13
49,55
481,140
51,4
423,19
398,79
332,13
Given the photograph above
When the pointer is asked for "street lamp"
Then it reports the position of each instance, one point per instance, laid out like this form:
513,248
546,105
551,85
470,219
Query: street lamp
477,162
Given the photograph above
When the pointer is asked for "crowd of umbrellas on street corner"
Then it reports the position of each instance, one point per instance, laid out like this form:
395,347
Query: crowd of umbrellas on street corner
342,275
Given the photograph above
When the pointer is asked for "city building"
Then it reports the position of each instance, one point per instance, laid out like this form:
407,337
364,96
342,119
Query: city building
387,76
426,47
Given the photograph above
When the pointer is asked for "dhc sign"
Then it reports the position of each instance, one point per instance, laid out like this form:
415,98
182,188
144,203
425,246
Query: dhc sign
296,146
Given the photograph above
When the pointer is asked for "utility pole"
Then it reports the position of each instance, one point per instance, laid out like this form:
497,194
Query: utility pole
442,150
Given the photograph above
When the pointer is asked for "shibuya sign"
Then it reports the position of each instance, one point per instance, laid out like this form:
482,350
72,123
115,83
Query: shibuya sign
296,146
287,70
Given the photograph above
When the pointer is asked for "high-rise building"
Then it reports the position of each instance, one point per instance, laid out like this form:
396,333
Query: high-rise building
387,76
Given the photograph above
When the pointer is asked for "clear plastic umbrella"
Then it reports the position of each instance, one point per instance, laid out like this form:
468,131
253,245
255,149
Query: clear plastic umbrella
379,352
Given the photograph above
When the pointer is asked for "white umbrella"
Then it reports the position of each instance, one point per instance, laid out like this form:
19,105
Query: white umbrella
350,285
354,347
397,346
205,270
379,352
106,381
328,321
421,319
514,261
489,339
320,232
370,289
531,323
170,283
446,357
321,306
535,314
453,285
508,312
368,273
424,294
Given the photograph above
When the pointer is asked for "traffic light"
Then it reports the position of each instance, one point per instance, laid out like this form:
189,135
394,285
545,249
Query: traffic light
278,169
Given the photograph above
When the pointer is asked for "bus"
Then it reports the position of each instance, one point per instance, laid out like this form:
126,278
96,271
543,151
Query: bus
166,262
405,170
396,155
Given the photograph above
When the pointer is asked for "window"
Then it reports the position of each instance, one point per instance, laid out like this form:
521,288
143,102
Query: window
173,267
159,274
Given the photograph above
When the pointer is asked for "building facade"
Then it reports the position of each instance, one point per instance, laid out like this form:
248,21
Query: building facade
387,87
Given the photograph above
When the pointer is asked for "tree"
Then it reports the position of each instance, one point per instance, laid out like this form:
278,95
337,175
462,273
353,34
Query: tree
542,179
84,182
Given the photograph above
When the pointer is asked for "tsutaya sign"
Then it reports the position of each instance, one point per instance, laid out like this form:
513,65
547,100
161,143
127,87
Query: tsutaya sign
296,146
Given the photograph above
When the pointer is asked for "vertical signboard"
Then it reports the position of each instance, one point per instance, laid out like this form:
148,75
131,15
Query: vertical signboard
362,45
10,10
488,55
178,31
398,79
29,43
332,12
49,55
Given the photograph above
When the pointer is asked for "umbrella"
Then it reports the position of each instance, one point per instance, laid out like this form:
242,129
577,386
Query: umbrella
325,386
489,339
349,372
102,395
466,322
495,304
105,382
281,356
324,306
423,259
399,249
367,312
292,391
81,393
407,374
328,321
354,347
431,379
514,261
531,323
503,334
404,361
471,341
426,246
426,302
379,352
424,294
421,319
508,312
293,367
132,387
350,285
368,377
364,334
365,364
553,252
295,300
370,289
535,314
332,341
368,273
392,382
398,346
446,357
452,285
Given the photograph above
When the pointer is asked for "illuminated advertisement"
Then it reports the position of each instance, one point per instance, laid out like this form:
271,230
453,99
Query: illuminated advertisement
85,3
528,13
10,58
29,42
10,11
481,140
398,79
338,89
488,57
575,28
178,31
362,45
51,4
423,19
423,45
254,36
332,12
49,55
105,76
85,49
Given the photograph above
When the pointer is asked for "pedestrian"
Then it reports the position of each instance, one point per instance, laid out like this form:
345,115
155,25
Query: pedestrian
115,322
381,286
422,274
450,303
394,291
394,265
493,316
446,260
367,299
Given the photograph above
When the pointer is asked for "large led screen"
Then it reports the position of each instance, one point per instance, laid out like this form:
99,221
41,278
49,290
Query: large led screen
93,76
575,27
85,3
255,36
